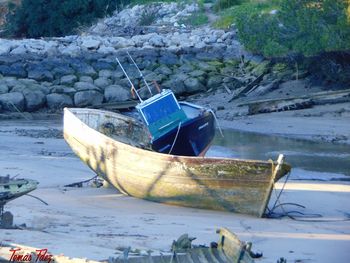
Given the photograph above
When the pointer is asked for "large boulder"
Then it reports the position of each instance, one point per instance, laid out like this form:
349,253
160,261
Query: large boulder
87,98
80,86
115,93
68,80
34,99
62,89
58,101
102,82
3,88
193,85
15,70
40,73
13,101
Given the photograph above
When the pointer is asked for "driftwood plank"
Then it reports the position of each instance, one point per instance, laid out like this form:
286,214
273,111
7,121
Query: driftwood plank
294,103
247,88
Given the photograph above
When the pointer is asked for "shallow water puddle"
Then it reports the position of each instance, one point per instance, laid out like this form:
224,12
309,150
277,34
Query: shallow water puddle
303,154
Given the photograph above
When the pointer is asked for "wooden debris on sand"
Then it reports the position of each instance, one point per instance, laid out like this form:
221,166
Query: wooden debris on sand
296,103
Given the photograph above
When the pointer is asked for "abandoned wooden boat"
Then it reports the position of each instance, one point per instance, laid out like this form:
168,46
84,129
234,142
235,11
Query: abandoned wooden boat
13,188
116,147
229,249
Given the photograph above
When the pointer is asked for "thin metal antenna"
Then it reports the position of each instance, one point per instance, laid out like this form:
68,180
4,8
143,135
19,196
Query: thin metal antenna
126,75
141,75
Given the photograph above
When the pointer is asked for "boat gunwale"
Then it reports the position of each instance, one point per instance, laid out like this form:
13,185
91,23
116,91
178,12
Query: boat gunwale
177,158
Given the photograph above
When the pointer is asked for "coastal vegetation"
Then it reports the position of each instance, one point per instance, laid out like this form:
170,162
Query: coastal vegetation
278,28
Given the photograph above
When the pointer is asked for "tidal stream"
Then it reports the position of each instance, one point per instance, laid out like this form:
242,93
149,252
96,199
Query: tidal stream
304,154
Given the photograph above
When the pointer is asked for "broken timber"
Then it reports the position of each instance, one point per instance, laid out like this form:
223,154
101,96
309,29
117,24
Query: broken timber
250,87
295,103
229,249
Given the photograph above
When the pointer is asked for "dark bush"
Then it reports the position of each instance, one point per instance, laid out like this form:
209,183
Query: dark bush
38,18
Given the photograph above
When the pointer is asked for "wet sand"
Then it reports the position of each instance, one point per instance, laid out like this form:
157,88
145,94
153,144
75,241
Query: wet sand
96,223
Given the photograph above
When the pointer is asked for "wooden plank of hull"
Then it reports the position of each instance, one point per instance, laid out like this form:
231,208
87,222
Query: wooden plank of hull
212,183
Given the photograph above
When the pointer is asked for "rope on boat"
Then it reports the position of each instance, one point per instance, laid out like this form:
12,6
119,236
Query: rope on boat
175,139
80,184
37,198
216,121
295,215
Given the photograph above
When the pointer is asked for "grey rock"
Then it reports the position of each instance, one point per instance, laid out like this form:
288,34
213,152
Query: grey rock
169,60
90,43
115,93
34,99
10,81
62,70
58,101
28,81
5,46
4,88
105,73
180,77
35,86
19,50
80,86
68,80
163,70
156,41
12,101
102,65
15,70
186,68
40,73
106,50
102,82
206,67
214,81
19,87
86,79
176,85
197,73
61,89
208,56
193,85
83,68
71,50
87,98
154,77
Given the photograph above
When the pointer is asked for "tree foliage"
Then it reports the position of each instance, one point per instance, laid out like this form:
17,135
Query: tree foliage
38,18
307,27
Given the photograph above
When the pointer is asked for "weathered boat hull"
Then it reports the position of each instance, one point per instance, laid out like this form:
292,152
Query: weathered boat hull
234,185
14,188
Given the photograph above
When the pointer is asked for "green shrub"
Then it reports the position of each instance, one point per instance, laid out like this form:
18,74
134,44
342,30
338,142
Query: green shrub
195,19
37,18
223,4
307,27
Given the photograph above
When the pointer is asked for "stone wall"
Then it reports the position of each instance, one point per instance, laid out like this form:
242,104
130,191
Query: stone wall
83,71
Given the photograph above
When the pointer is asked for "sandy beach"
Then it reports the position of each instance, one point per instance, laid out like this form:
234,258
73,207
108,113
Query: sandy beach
97,223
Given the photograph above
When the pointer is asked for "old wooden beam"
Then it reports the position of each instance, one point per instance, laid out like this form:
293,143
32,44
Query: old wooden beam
294,103
247,88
